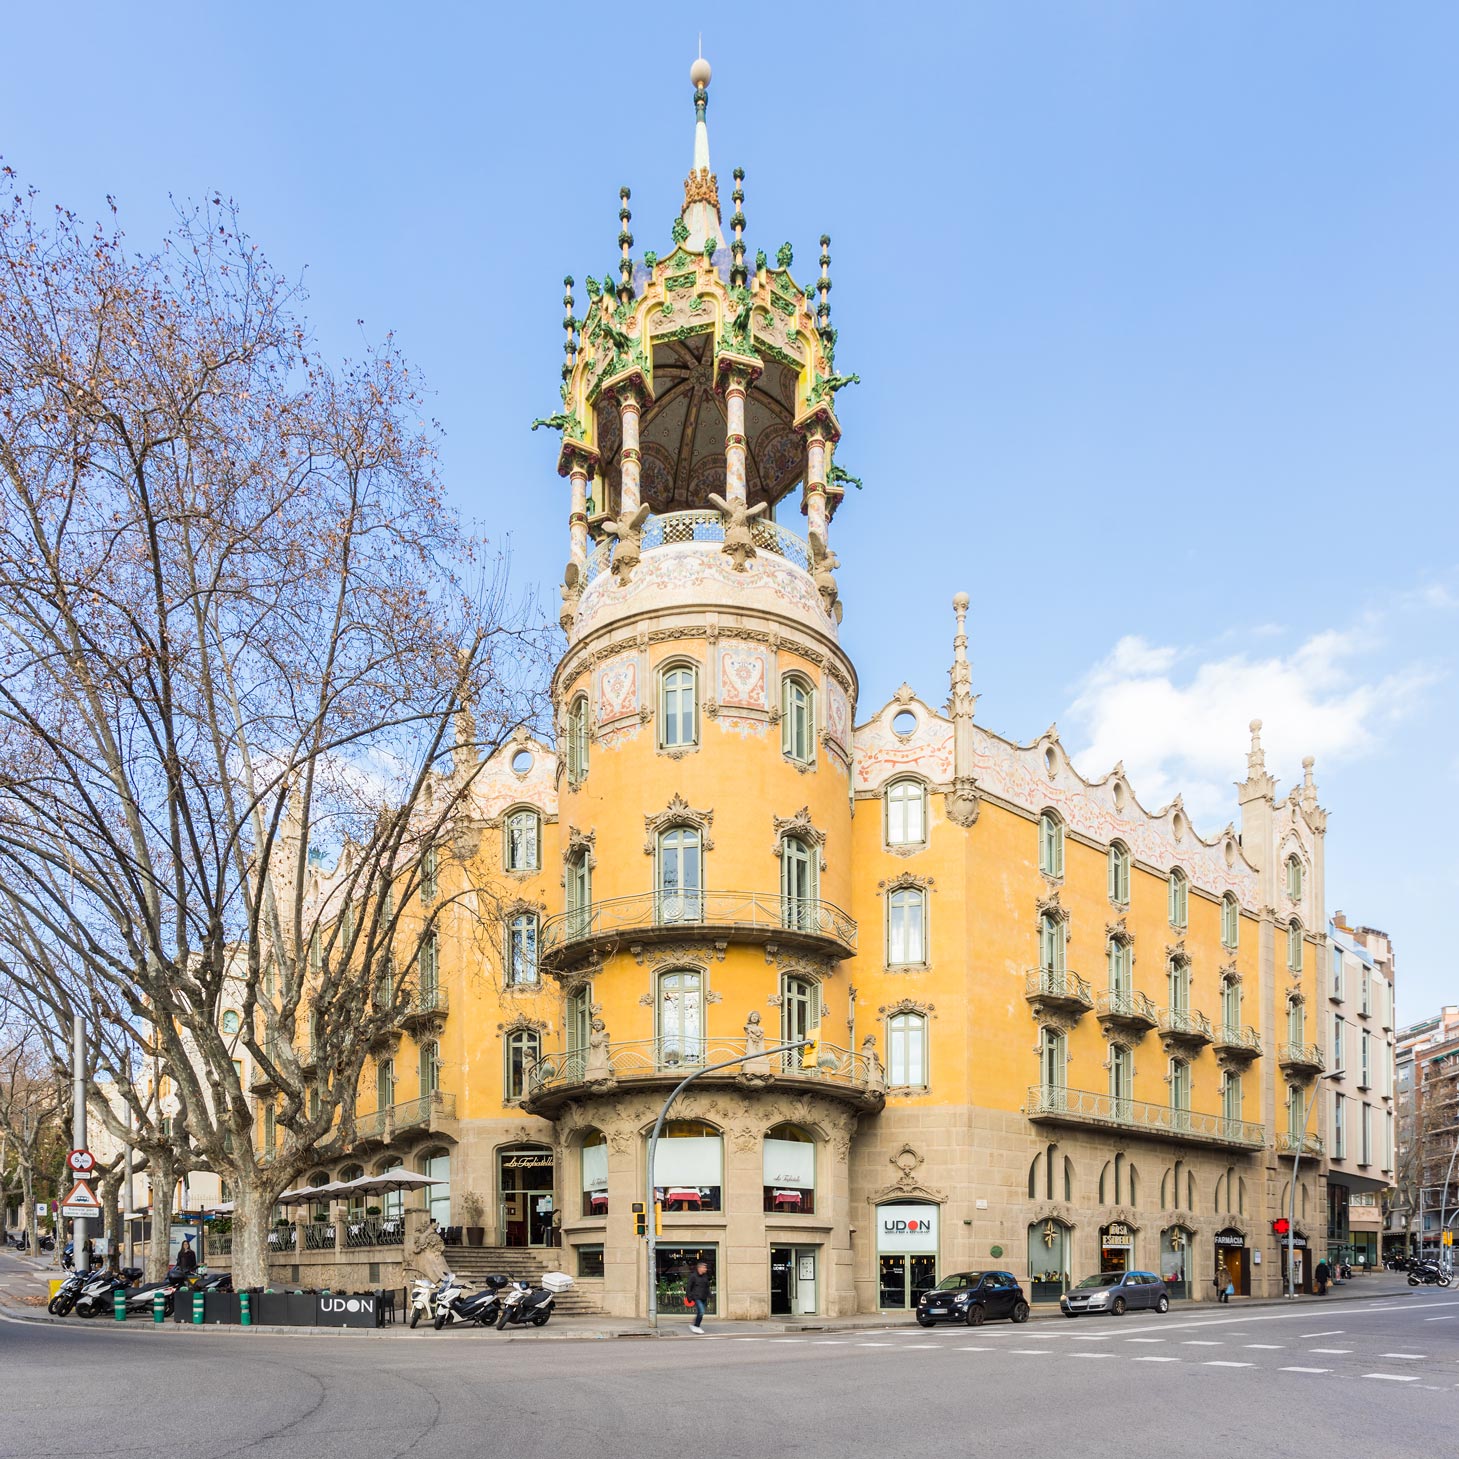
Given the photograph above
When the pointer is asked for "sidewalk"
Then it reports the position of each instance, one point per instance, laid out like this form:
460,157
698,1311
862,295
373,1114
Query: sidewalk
674,1325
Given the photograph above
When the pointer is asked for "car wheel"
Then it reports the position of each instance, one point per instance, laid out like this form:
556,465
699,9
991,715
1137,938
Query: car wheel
1118,1306
977,1315
923,1321
1020,1311
414,1316
1163,1305
1071,1314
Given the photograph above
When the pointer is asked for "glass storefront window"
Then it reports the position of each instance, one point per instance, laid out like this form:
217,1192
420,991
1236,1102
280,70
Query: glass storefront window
689,1167
1048,1260
673,1267
1116,1247
1175,1254
590,1261
789,1171
904,1278
595,1173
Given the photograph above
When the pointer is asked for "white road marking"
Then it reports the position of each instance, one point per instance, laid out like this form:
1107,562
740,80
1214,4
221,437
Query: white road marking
1093,1337
1199,1342
1155,1358
921,1345
1144,1339
1221,1363
788,1339
1326,1332
1030,1352
1329,1350
1304,1370
1393,1377
832,1342
1449,1318
876,1344
1110,1355
1419,1356
1269,1345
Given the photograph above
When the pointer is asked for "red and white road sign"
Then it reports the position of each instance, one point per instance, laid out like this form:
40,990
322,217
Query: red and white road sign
81,1163
81,1202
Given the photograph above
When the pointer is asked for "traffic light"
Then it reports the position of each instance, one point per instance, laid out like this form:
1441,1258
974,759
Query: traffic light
658,1218
809,1053
640,1221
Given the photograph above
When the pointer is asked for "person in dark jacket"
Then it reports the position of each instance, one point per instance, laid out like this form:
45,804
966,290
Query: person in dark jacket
696,1290
187,1259
1321,1275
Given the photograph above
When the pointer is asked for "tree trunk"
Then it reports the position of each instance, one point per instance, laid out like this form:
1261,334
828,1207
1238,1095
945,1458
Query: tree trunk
160,1179
253,1205
27,1213
111,1225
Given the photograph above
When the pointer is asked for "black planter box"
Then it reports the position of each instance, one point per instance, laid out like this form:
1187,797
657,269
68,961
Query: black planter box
220,1307
350,1309
182,1306
271,1309
301,1309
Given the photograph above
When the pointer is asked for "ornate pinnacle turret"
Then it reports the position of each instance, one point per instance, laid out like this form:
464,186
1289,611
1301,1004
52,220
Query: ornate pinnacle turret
701,188
625,244
570,325
823,287
739,275
962,803
1255,756
1309,784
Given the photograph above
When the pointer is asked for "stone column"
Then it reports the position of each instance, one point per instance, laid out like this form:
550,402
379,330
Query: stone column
630,406
815,483
735,386
578,516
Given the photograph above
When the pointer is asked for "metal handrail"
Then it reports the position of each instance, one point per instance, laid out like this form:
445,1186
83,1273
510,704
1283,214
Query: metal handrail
1233,1036
1126,1003
1291,1144
676,1056
671,529
1085,1106
1306,1054
1057,983
1185,1021
750,911
412,1112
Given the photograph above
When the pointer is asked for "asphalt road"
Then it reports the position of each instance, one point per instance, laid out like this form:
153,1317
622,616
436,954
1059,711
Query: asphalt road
1378,1376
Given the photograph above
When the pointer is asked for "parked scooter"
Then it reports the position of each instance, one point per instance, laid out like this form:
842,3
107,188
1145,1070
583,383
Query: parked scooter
95,1297
1427,1274
523,1305
423,1294
66,1294
479,1309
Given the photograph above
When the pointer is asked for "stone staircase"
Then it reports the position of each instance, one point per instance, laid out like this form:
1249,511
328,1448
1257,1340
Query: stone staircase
520,1263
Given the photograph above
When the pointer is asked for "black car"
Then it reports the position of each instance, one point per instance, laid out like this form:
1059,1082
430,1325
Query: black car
973,1297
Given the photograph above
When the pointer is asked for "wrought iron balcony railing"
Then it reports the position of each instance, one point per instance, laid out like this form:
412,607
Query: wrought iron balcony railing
1127,1007
748,916
1289,1143
1187,1024
425,1112
1057,987
1083,1107
1232,1039
1301,1058
671,529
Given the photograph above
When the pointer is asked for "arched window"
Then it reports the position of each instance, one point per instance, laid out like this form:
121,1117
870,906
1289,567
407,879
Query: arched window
1294,946
1230,921
1231,1096
1178,984
1119,874
680,875
522,1049
319,1210
680,1017
428,964
594,1152
384,1084
799,884
522,949
1296,1022
430,1068
789,1170
579,1020
1176,1260
906,802
437,1165
1179,899
1051,943
689,1166
797,719
1121,972
577,739
906,927
1231,1007
1294,878
231,1022
1051,844
1121,1080
523,832
579,884
1050,1243
678,707
907,1050
1053,1062
1180,1094
354,1200
800,1016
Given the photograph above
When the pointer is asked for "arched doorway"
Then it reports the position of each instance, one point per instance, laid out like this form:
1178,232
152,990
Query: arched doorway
1050,1243
1176,1243
524,1194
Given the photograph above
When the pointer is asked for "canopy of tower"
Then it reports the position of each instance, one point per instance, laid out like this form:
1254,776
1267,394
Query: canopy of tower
682,438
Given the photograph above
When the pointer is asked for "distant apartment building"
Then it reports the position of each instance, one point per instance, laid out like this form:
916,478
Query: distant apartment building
1426,1082
1358,1040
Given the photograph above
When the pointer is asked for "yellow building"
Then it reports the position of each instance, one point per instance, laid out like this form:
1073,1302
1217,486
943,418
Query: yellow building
1055,1031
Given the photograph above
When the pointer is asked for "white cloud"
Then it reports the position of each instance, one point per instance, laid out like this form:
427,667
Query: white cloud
1179,722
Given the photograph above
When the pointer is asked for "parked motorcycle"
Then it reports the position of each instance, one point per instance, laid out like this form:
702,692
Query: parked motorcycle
523,1305
423,1298
478,1309
66,1294
95,1297
1427,1274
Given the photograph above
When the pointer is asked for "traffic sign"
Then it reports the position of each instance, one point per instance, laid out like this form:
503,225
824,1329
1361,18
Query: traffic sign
81,1163
81,1202
1448,1238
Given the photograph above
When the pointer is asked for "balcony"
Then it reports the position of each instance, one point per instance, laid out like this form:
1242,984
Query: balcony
1234,1042
648,917
661,1063
428,1114
1054,1105
669,529
1185,1027
1300,1061
426,1008
1290,1144
1058,990
1131,1011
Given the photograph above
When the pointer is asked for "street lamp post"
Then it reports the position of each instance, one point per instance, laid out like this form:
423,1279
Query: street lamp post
1292,1204
650,1233
1444,1218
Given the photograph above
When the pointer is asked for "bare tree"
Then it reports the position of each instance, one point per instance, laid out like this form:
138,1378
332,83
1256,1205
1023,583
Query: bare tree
239,627
31,1101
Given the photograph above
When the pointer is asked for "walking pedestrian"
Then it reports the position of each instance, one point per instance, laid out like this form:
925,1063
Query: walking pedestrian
696,1290
1320,1276
1228,1291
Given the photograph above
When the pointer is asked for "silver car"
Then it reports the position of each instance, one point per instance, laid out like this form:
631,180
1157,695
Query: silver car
1116,1292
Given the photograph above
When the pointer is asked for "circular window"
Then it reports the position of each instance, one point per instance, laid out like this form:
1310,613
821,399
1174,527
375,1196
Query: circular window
522,761
904,722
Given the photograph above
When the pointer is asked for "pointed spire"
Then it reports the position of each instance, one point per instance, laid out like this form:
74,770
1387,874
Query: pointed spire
625,244
570,326
823,287
962,804
1255,757
739,274
701,188
1309,784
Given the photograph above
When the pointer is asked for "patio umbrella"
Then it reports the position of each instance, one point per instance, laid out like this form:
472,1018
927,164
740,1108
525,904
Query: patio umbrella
395,1180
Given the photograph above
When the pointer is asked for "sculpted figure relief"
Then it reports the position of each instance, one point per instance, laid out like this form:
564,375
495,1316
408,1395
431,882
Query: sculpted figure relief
738,543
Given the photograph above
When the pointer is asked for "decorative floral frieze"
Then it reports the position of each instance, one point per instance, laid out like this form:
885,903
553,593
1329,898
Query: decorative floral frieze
801,827
678,812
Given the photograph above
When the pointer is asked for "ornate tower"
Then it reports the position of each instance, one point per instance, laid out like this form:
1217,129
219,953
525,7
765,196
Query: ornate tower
704,706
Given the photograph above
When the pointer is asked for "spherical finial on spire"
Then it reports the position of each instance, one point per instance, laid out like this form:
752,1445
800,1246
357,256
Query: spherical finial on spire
699,73
1308,762
960,603
1255,726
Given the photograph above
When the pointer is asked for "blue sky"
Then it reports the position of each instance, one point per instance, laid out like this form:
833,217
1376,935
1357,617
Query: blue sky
1155,306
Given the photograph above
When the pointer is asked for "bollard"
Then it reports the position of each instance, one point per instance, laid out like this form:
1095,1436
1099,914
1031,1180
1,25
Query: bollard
245,1312
197,1307
119,1304
159,1302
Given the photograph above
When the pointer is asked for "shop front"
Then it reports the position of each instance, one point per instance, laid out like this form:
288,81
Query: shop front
1233,1262
1049,1246
673,1266
793,1280
524,1195
1175,1251
906,1253
1302,1263
1116,1247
